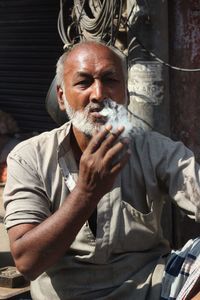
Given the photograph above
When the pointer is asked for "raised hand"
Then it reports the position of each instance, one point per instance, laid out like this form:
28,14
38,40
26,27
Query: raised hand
102,160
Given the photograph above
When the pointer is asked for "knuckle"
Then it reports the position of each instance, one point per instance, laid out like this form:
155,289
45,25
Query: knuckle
95,142
87,162
107,145
90,163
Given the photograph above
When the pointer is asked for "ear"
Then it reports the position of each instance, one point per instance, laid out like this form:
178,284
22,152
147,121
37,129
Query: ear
60,95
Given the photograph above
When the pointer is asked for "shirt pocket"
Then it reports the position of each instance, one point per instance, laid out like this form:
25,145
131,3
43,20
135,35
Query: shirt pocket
137,231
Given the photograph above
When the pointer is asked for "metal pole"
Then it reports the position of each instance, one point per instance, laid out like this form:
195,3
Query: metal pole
184,28
148,78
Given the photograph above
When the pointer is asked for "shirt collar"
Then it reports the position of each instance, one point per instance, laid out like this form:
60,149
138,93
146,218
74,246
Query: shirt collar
64,139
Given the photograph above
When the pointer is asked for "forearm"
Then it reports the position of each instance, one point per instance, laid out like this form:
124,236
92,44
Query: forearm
39,248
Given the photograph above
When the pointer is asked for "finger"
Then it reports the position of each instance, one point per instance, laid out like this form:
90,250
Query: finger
98,138
119,129
116,151
110,140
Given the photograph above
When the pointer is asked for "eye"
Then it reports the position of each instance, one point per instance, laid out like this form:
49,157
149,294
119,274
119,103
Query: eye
110,80
83,83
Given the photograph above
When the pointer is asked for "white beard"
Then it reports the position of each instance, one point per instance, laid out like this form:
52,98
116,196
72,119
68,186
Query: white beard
114,114
81,119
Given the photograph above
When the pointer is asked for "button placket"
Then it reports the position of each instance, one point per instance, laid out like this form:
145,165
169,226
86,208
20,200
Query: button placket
109,203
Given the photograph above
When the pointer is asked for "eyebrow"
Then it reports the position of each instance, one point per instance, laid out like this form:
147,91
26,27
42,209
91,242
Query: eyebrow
82,74
104,73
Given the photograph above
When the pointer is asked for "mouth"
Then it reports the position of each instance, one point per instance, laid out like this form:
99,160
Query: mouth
99,112
96,109
96,115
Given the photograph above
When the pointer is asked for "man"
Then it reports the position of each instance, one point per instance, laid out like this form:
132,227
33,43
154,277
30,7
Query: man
83,205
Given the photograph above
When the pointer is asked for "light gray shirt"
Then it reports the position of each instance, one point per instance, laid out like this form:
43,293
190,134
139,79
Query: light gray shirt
127,258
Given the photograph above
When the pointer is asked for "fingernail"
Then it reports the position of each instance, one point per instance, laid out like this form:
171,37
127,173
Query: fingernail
121,128
108,127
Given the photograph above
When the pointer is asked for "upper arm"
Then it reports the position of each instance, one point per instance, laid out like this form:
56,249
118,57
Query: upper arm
25,197
180,174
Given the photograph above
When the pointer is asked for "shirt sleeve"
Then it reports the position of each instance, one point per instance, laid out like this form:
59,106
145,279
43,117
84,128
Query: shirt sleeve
178,172
25,199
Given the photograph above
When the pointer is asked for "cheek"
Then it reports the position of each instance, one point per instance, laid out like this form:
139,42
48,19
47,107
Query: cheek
77,100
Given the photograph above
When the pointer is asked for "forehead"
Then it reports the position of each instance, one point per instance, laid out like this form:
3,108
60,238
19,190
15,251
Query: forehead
92,59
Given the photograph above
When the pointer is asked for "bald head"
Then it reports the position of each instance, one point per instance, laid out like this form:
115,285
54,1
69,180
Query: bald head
86,49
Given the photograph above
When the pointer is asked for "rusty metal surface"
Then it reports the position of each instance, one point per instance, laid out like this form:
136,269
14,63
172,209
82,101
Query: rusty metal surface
184,88
184,29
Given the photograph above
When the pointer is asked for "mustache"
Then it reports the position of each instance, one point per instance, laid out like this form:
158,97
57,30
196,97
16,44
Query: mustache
97,107
103,105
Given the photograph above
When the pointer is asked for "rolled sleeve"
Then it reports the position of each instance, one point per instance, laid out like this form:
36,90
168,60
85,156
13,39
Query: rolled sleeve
25,200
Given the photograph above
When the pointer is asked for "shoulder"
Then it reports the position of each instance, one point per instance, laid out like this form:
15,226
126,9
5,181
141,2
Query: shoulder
153,138
40,147
156,147
42,140
149,136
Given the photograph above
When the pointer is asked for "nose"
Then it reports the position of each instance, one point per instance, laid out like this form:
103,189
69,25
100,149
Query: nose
98,92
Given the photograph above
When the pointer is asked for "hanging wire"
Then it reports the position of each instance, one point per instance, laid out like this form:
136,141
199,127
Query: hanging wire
60,23
118,21
155,56
93,20
112,24
140,44
102,20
